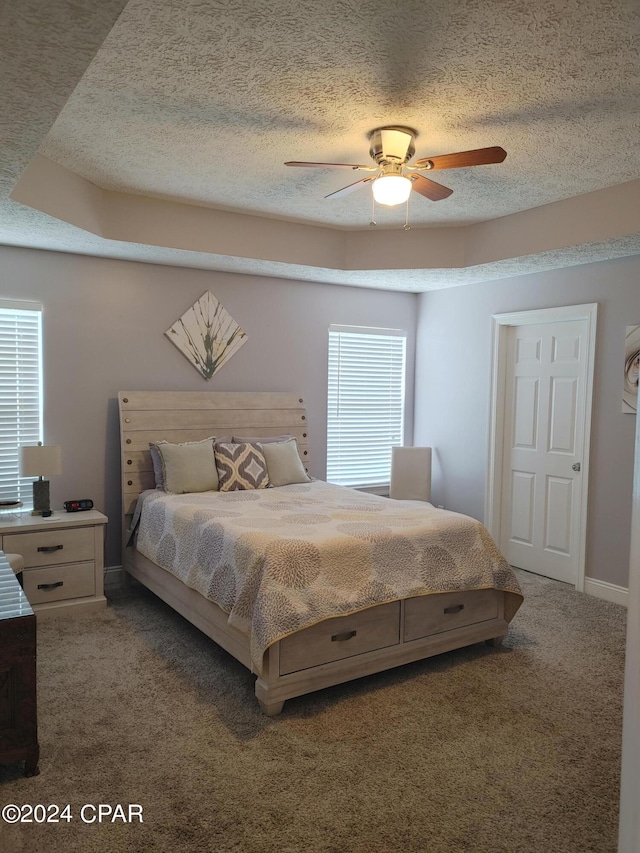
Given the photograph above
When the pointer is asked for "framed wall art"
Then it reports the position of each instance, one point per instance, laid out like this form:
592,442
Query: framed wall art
207,335
631,369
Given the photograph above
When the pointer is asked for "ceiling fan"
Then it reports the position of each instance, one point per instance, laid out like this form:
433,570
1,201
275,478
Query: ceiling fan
391,149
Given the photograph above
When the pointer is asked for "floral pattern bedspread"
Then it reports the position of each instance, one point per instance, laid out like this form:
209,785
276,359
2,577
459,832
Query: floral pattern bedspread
281,559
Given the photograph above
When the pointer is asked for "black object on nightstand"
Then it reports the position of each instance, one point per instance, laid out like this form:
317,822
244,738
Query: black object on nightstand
78,506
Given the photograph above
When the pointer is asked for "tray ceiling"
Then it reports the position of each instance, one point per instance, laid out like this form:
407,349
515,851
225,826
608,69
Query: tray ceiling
201,103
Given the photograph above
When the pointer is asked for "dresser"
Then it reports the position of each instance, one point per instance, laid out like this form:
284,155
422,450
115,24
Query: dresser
63,559
18,709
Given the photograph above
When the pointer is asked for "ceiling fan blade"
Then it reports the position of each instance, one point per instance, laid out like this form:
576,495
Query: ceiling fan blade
429,188
350,187
476,157
332,165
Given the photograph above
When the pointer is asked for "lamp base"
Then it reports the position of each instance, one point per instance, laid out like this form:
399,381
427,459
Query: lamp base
40,497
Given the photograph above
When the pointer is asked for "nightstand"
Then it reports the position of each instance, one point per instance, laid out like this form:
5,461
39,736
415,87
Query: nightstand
63,559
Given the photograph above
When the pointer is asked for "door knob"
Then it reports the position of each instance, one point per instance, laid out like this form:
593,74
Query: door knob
575,466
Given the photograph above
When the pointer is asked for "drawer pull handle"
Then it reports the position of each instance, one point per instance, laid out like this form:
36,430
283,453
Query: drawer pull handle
48,549
340,638
48,586
455,608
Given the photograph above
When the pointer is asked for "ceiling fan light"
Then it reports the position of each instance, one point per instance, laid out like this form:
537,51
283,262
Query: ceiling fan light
391,189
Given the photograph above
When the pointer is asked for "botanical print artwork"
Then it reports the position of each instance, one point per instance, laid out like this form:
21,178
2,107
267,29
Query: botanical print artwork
207,335
631,369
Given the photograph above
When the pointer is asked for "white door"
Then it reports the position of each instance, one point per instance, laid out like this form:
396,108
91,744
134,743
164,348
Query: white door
543,441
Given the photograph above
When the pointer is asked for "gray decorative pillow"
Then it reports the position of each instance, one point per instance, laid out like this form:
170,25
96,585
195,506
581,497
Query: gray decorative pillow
156,461
284,464
188,467
269,439
241,466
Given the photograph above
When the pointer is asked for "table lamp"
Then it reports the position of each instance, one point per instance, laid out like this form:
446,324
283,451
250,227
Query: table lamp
40,461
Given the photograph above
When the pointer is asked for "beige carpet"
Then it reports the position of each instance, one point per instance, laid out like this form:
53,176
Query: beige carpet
494,751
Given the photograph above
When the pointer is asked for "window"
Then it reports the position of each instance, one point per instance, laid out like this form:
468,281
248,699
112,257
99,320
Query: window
20,393
365,404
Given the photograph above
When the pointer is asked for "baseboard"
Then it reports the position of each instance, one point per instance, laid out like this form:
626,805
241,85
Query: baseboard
113,576
608,591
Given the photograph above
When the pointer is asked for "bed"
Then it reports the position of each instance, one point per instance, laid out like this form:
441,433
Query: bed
307,584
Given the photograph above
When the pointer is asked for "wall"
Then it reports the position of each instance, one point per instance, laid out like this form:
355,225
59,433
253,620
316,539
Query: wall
453,369
104,324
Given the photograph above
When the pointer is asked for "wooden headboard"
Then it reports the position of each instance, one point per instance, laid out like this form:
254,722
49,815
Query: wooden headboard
176,416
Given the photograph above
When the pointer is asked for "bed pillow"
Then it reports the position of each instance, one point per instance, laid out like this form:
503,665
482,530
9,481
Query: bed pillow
269,439
156,461
241,466
284,464
188,467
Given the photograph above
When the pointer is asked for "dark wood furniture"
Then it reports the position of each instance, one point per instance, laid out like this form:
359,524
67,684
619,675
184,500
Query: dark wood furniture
18,708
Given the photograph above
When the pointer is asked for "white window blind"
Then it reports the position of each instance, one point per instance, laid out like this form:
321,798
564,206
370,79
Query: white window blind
20,393
365,404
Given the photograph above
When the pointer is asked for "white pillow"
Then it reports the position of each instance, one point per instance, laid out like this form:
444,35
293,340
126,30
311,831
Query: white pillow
188,467
283,463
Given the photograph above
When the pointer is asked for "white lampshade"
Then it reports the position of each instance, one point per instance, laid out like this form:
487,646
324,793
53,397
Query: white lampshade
40,460
391,189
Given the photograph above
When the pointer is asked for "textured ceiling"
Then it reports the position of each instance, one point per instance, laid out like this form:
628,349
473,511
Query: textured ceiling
202,102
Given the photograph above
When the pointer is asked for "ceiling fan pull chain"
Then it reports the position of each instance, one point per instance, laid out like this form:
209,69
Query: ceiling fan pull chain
373,210
407,227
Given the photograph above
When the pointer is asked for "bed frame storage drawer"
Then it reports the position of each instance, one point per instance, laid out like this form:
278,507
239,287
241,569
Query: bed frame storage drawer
432,614
52,547
342,637
54,583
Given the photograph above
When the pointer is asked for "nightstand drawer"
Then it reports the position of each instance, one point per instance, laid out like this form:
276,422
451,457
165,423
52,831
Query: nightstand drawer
59,582
52,547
